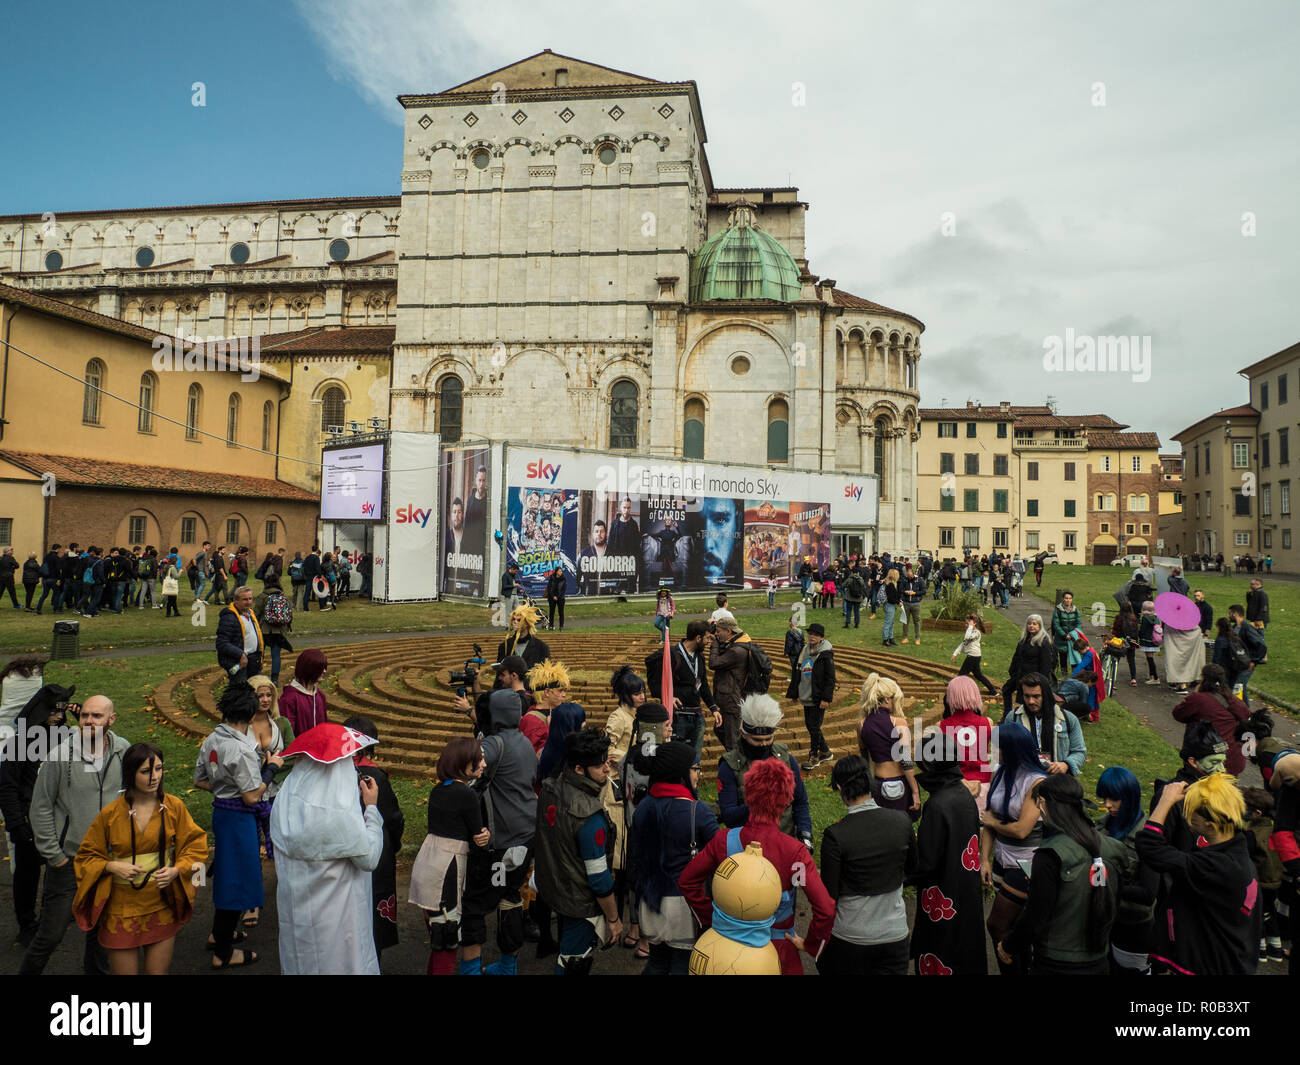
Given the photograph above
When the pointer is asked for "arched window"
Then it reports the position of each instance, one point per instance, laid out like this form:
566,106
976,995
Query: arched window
778,431
193,403
266,425
232,418
878,456
450,408
623,415
331,408
95,372
693,431
148,401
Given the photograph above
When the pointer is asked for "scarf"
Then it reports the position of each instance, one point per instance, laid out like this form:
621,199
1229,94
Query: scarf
665,790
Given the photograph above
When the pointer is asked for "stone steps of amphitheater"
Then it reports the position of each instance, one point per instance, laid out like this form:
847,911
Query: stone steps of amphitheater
403,686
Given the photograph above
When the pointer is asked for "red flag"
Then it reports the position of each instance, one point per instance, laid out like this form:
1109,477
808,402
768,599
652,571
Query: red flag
666,679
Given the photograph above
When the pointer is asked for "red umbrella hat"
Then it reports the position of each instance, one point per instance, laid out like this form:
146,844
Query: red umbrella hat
328,743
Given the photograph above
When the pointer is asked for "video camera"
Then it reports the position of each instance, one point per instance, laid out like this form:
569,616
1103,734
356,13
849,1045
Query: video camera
464,678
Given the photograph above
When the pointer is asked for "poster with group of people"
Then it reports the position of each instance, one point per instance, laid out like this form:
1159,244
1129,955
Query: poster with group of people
466,505
565,509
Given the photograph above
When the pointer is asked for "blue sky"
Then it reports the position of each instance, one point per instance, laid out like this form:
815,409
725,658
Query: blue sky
1124,219
108,120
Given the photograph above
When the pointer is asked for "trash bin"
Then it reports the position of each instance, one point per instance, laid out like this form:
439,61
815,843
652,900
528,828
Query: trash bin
67,639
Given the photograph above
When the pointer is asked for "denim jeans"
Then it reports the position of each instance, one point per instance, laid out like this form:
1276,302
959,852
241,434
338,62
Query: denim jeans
202,585
56,915
275,659
887,633
48,585
115,591
70,594
852,608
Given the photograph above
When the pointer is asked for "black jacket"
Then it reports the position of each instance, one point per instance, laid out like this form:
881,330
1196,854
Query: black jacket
556,586
1257,606
1029,658
823,678
867,853
310,567
31,572
1213,907
70,567
8,566
534,652
684,678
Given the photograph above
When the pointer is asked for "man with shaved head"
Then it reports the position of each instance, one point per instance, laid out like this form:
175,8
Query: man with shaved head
82,775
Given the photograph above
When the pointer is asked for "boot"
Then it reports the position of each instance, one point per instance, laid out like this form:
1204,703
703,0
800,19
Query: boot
506,965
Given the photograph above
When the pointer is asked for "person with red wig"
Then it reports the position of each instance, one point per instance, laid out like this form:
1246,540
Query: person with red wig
769,789
302,701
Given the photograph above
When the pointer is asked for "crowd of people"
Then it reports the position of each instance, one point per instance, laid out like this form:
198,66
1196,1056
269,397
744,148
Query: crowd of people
576,835
87,581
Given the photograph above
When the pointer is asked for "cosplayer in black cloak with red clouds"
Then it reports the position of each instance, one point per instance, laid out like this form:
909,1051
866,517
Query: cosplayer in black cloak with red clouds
948,932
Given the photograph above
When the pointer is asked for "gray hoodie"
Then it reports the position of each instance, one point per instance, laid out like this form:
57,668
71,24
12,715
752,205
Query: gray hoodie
70,791
806,677
508,778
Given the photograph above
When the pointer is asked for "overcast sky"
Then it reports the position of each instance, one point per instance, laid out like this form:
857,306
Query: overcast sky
1123,218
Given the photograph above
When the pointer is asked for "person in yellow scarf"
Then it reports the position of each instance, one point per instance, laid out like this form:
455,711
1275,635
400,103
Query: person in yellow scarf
239,638
136,869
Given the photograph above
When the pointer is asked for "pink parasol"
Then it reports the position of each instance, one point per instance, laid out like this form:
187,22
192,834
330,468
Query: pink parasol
1177,611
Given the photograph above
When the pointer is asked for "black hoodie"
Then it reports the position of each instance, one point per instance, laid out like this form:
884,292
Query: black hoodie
1214,913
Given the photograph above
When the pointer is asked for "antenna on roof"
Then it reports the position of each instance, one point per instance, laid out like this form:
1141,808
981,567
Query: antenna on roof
1051,404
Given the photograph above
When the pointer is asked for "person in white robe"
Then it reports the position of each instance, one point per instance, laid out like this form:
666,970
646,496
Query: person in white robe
325,851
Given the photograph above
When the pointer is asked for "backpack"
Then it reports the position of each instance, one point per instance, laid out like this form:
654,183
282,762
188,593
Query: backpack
148,568
758,671
1238,655
295,570
45,569
234,565
854,586
278,610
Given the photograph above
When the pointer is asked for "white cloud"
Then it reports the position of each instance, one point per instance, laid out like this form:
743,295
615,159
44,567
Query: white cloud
1068,214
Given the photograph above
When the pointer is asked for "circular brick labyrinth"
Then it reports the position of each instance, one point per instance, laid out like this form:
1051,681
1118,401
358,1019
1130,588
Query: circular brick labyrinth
403,686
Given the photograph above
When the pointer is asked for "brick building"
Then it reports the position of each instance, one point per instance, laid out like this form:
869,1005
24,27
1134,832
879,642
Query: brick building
1125,480
103,443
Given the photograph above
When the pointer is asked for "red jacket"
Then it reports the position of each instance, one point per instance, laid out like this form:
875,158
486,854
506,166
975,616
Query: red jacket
972,742
790,857
536,729
303,711
1206,706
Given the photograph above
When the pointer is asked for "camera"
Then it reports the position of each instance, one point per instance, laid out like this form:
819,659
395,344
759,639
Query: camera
464,678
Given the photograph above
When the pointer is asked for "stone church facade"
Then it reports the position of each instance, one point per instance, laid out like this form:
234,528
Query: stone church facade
560,268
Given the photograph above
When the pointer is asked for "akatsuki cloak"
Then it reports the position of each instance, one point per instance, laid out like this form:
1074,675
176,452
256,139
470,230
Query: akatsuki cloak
948,933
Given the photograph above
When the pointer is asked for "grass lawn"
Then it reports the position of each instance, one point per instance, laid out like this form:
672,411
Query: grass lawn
20,631
1279,677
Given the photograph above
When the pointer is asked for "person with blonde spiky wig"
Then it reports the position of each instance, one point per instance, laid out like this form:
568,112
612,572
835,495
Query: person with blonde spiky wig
522,639
1213,906
759,717
549,682
771,785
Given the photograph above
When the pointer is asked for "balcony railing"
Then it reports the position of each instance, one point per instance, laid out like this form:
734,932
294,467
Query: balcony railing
1021,443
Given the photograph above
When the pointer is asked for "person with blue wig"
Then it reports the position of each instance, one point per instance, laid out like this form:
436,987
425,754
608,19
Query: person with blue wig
565,718
1121,794
1012,830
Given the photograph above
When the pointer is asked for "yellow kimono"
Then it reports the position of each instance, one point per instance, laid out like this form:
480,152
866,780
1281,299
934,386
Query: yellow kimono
619,729
128,916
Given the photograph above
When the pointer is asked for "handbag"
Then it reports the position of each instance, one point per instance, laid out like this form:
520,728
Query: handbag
171,586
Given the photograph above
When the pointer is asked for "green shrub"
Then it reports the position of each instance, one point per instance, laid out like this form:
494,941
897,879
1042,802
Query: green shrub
956,605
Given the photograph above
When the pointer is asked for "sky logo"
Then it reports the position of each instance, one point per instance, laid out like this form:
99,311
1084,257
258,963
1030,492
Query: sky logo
544,471
853,491
367,509
414,515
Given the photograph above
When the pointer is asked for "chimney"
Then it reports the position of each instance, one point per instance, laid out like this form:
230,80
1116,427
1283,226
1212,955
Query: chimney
1004,406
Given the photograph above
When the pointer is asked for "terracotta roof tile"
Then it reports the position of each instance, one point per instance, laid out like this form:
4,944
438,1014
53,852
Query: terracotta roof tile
1125,440
94,473
847,299
359,339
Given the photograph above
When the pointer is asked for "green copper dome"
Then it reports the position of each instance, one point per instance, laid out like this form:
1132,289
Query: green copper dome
743,263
